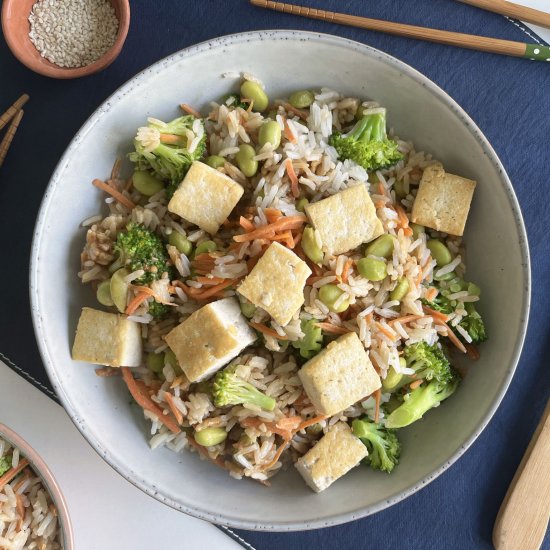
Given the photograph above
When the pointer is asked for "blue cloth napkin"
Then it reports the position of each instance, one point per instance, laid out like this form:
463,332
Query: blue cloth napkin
508,98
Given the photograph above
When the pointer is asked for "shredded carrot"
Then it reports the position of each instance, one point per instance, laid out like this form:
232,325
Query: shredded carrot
419,277
313,279
288,133
129,184
251,422
267,331
247,225
12,472
472,351
290,423
334,329
311,421
136,302
267,231
385,331
293,178
405,319
289,108
346,270
368,318
379,204
278,454
454,339
287,237
437,315
377,398
431,294
122,199
298,236
152,293
170,139
214,290
272,214
415,384
22,480
407,231
187,109
145,401
403,219
381,188
115,170
175,411
20,510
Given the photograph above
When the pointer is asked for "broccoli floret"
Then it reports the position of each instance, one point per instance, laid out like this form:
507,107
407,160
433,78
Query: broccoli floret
383,446
367,143
140,248
473,324
312,342
428,362
157,310
169,161
230,389
5,464
421,400
440,303
237,101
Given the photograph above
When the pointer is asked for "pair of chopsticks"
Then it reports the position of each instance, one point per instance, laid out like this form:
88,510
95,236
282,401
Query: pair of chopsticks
13,114
536,52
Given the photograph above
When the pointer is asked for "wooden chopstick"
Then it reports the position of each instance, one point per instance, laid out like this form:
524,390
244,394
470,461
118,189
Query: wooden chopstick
482,43
10,113
6,142
530,15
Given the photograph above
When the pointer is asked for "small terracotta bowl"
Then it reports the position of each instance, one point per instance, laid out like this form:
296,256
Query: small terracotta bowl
43,472
16,27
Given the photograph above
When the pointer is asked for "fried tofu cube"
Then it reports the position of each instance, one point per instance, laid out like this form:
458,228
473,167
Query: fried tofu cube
339,376
276,283
334,455
107,339
205,197
210,338
443,200
345,220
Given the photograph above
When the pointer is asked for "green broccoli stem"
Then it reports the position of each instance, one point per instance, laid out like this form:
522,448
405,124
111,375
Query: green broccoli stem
370,128
249,394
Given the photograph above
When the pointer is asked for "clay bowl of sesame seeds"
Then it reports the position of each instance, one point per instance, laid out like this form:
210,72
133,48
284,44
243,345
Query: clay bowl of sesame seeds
65,38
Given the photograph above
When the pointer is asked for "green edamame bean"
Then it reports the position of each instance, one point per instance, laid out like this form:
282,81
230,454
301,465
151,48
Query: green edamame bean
372,269
103,293
392,380
400,291
301,204
248,309
210,436
417,229
254,92
205,246
270,132
155,362
381,247
440,253
446,277
119,289
310,246
474,290
329,294
214,161
245,160
181,242
301,99
146,183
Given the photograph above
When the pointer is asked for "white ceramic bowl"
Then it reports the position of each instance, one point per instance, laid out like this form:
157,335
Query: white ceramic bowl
285,60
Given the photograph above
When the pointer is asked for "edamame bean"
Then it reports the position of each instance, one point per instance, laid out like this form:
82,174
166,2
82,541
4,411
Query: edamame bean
310,247
248,309
146,183
270,132
392,380
254,92
446,277
400,291
473,290
372,269
210,436
458,284
119,289
329,294
181,242
381,247
417,229
155,362
440,253
301,204
301,99
214,161
205,246
245,160
103,293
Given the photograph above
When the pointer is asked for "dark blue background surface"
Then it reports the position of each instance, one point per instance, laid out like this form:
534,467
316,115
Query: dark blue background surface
508,98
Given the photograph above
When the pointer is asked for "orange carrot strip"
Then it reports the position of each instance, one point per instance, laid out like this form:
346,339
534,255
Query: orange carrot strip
431,294
215,289
271,426
404,220
20,510
290,423
379,204
175,411
285,236
290,109
437,315
122,199
186,108
286,222
293,178
247,225
136,302
278,454
454,339
152,293
267,331
346,269
385,331
12,472
334,329
407,231
288,133
311,421
377,398
415,384
146,403
405,319
272,214
381,188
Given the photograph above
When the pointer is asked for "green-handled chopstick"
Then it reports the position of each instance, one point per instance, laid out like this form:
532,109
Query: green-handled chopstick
536,52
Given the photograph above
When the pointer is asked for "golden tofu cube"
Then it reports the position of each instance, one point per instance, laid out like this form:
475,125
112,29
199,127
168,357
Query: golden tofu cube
107,339
334,455
210,338
205,197
339,376
345,220
276,283
443,200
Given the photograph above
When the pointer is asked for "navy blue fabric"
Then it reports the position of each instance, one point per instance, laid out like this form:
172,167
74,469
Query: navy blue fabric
508,98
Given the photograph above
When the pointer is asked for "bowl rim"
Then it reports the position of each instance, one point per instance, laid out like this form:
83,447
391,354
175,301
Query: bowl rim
438,94
43,471
63,73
